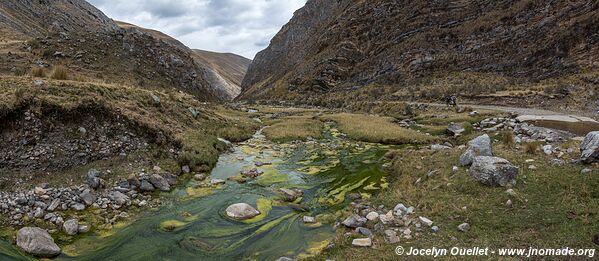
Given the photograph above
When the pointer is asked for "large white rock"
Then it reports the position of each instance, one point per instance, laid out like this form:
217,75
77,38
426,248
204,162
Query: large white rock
241,211
481,146
494,171
37,242
590,148
362,242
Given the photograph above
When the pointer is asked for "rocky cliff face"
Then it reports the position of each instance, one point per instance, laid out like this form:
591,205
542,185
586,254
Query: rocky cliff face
332,46
224,71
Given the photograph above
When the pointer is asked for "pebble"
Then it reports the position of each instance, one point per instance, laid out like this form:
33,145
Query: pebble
464,227
372,216
308,219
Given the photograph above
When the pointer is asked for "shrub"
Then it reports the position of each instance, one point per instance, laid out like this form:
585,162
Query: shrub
59,73
38,72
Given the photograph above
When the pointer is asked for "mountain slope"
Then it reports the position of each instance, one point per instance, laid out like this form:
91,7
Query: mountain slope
74,34
333,46
225,70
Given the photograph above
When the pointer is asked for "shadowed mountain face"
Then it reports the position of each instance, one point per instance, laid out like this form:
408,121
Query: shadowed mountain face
224,70
73,33
347,44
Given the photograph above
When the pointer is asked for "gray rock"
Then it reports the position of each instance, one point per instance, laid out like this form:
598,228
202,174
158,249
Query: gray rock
160,183
464,227
589,148
455,129
93,179
308,219
71,227
391,237
55,203
362,242
83,228
37,242
241,211
118,198
354,221
88,198
425,221
586,171
185,169
290,195
494,171
364,231
146,186
435,229
78,207
439,147
480,146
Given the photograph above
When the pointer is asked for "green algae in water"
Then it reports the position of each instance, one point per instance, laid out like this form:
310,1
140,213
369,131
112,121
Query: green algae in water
278,231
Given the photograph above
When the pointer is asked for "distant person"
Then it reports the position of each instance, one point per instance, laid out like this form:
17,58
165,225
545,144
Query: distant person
451,101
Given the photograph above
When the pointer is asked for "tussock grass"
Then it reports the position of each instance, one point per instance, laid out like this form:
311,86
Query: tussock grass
294,128
59,73
508,139
38,72
553,207
376,129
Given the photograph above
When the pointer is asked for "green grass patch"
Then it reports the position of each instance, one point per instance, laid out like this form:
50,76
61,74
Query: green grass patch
294,128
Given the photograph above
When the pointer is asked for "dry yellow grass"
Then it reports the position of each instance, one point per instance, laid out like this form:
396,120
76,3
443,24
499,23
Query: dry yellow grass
376,129
59,73
294,128
38,72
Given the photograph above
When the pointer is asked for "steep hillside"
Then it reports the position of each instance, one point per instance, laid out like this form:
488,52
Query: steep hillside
461,46
225,70
42,35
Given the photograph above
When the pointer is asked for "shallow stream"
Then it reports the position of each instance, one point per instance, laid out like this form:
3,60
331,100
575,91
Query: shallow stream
191,225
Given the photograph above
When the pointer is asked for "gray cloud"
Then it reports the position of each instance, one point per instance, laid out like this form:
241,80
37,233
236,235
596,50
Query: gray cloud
238,26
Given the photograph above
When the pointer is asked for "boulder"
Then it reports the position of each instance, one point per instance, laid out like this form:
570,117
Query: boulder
93,179
590,148
480,146
241,211
354,221
37,242
494,171
146,186
118,198
87,197
71,227
160,183
455,129
290,195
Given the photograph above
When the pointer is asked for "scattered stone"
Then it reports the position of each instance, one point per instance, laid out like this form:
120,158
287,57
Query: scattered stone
425,221
308,219
199,177
185,169
439,147
586,171
78,207
509,203
160,183
590,148
364,231
548,149
494,171
146,186
362,242
391,236
93,179
532,167
87,197
354,221
215,182
119,198
37,242
71,227
372,216
83,228
388,218
480,146
455,129
435,229
289,194
241,211
464,227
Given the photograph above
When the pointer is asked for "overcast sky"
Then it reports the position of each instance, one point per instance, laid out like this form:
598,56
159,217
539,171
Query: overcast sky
238,26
